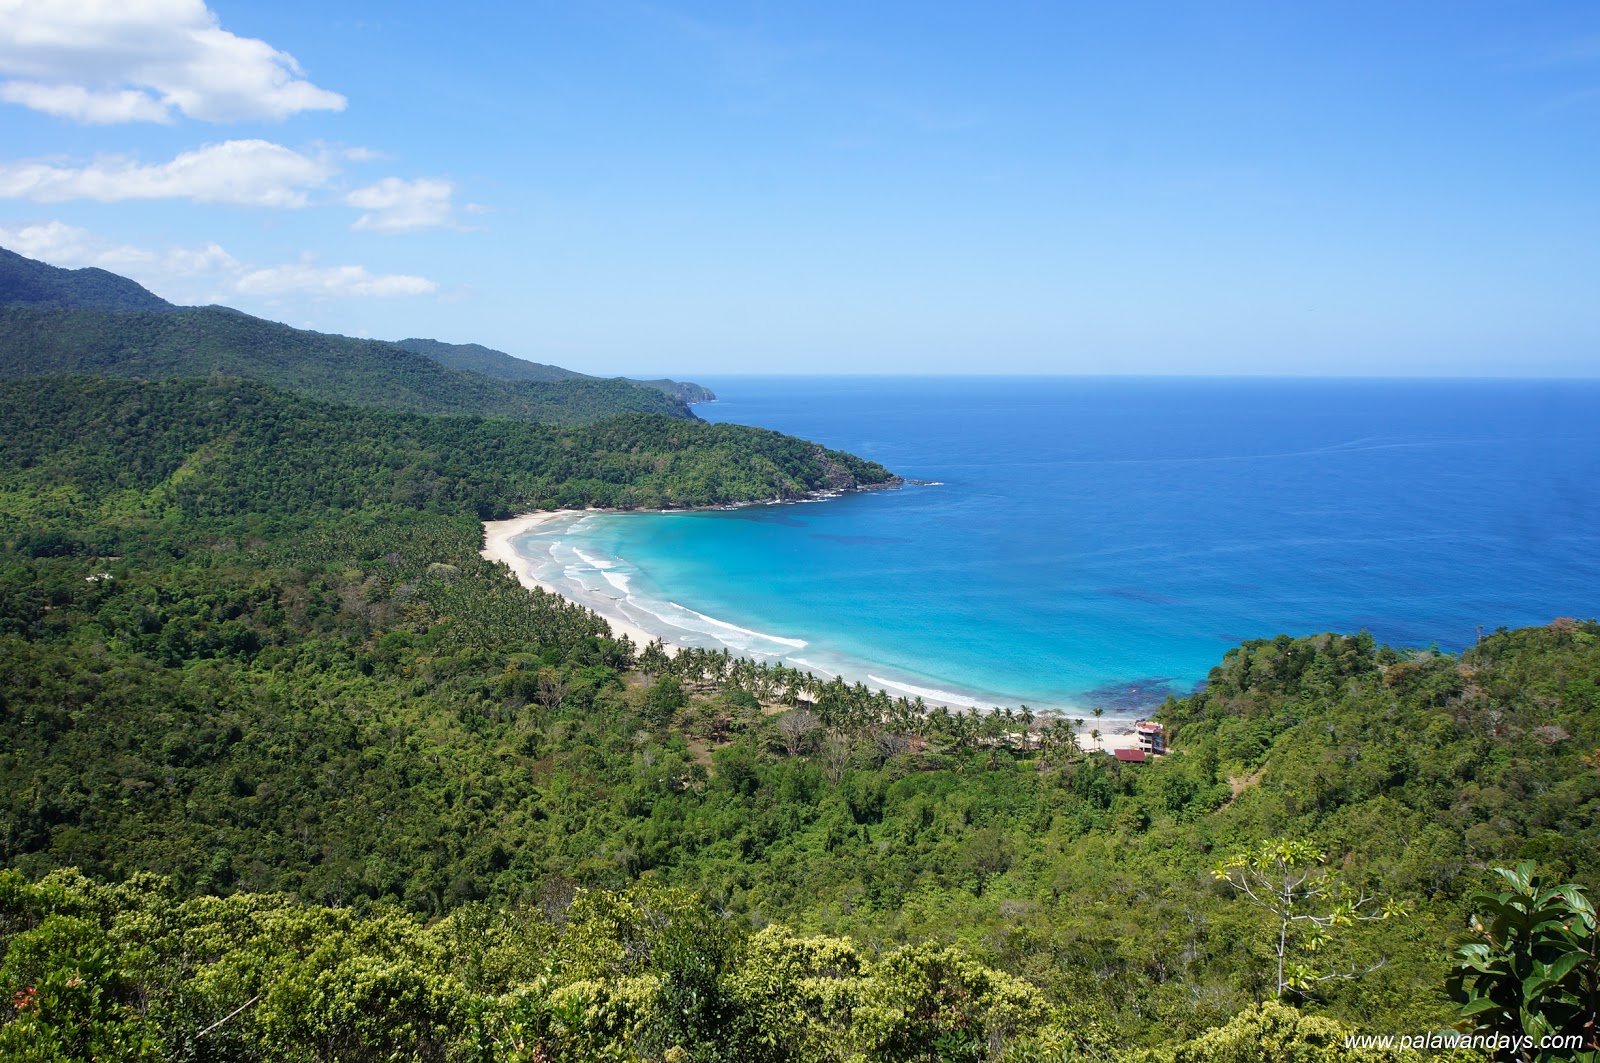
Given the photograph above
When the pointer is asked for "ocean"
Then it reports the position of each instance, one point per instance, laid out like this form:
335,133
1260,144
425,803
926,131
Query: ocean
1103,541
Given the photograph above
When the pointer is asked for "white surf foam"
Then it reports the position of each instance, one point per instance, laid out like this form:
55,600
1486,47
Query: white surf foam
943,697
595,561
619,580
723,625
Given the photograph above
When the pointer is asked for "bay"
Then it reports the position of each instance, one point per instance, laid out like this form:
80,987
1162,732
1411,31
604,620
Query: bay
1104,541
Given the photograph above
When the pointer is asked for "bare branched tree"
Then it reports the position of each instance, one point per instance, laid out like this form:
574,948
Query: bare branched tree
837,750
796,728
891,744
551,688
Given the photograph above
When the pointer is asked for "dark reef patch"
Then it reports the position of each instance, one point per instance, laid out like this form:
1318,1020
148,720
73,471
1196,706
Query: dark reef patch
1129,695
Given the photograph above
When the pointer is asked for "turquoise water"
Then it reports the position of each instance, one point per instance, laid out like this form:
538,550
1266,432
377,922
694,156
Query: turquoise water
1104,541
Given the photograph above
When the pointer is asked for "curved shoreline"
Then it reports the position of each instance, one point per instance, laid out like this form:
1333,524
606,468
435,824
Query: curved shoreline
499,536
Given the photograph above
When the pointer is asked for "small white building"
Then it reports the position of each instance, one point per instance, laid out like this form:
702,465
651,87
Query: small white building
1152,738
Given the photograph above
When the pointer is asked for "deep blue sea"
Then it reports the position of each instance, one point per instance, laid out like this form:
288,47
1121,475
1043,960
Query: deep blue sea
1105,541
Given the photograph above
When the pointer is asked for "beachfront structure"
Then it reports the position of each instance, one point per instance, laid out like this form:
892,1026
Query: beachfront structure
1152,738
1131,756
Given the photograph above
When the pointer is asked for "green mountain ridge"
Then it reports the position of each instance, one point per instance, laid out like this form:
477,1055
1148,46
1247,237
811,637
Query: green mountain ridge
93,322
207,340
477,358
486,360
28,282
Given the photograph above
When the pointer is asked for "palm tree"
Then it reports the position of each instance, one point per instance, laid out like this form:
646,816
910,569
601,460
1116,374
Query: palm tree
1045,746
653,660
1067,737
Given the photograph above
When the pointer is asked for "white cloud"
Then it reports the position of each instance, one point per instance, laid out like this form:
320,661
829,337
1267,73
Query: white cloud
143,61
250,173
397,206
310,279
207,273
254,173
68,246
128,105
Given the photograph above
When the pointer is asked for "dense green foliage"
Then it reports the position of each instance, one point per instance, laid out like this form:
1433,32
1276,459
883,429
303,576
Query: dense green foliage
1530,969
81,449
247,644
136,971
26,282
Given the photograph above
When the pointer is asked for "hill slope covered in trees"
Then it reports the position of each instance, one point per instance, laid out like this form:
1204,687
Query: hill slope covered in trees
91,322
247,644
28,282
207,340
476,358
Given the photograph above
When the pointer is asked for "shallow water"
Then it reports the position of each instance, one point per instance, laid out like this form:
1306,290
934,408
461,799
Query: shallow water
1104,541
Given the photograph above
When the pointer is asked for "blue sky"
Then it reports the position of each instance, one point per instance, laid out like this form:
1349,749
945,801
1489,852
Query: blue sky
1338,188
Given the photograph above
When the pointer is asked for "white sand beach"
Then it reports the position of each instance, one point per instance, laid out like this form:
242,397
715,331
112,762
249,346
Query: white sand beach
1115,732
497,536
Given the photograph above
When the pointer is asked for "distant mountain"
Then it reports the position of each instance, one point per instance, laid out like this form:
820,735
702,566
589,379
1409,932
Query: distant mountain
95,323
203,341
27,282
678,389
476,358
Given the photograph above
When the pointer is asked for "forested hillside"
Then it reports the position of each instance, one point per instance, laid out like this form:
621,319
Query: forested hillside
88,321
205,340
476,358
28,282
399,806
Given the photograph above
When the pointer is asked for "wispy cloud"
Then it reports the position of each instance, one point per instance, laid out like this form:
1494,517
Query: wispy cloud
207,273
248,173
107,61
71,247
307,278
152,60
256,173
394,205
